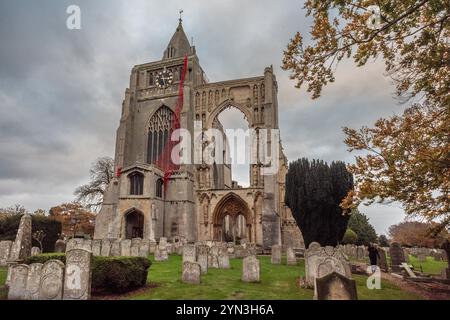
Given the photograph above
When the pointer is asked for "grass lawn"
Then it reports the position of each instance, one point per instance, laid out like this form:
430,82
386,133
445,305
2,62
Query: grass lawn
3,292
430,266
277,282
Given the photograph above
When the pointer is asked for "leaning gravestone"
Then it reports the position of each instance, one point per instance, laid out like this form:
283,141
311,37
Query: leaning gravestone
382,261
275,254
290,257
189,253
33,281
106,248
35,251
125,248
77,278
191,272
335,286
5,248
21,248
397,257
319,261
96,247
51,286
60,246
250,269
18,282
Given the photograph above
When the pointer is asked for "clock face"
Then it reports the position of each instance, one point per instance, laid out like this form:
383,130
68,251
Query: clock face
164,79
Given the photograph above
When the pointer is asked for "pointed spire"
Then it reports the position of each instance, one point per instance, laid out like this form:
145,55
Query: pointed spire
179,44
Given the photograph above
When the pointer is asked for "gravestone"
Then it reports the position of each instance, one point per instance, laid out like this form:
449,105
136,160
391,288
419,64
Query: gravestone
153,245
397,257
60,246
335,286
33,281
115,248
52,276
21,248
240,252
382,261
135,244
275,257
162,242
250,269
189,253
408,270
35,251
72,244
85,244
144,248
202,257
97,247
223,258
18,282
319,261
360,252
106,248
161,253
5,249
77,277
125,248
191,272
290,257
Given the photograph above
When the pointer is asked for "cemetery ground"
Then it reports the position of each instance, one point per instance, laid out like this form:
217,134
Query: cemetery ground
278,282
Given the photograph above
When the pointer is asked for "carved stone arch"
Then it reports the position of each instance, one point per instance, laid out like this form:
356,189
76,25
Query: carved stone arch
248,115
159,130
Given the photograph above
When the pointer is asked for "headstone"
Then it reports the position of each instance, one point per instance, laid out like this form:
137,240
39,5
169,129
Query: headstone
335,286
97,247
125,248
5,249
360,252
21,248
189,253
202,257
18,282
115,248
106,248
319,261
51,286
240,252
161,253
33,281
382,261
153,245
72,244
250,269
275,257
135,244
60,246
144,248
290,256
77,277
397,257
35,251
223,258
162,242
85,244
191,272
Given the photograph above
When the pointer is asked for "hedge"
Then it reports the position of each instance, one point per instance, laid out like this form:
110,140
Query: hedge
109,274
51,227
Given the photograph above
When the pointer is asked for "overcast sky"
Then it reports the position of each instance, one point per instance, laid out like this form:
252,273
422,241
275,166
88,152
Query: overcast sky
61,90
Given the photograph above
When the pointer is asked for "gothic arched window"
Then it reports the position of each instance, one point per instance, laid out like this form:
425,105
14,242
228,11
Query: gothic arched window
159,132
159,188
136,183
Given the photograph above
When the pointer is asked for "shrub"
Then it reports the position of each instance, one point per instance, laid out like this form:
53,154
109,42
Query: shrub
51,227
350,237
109,274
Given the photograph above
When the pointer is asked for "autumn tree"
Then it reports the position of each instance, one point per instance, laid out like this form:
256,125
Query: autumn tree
101,173
416,234
406,156
314,191
74,219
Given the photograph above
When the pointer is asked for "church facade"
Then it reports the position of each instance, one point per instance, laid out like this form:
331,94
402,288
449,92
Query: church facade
197,201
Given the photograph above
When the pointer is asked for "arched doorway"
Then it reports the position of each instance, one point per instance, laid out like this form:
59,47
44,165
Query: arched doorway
232,220
134,224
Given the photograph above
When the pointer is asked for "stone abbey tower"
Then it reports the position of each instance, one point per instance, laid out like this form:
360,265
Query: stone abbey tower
198,201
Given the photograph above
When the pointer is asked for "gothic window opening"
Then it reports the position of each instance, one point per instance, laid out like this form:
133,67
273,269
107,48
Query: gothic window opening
159,188
136,183
159,133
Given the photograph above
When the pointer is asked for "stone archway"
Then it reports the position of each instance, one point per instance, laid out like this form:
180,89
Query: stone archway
239,219
134,224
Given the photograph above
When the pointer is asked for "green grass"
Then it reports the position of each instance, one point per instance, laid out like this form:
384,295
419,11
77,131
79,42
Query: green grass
430,266
3,292
278,282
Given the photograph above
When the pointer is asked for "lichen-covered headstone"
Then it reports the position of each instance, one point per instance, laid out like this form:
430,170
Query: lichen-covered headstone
97,247
223,258
135,244
125,248
18,282
33,281
21,248
161,253
5,249
115,248
335,286
51,285
290,257
189,253
144,248
106,248
191,272
250,269
77,276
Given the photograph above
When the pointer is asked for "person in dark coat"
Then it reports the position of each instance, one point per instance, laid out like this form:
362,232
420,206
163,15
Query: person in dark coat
373,256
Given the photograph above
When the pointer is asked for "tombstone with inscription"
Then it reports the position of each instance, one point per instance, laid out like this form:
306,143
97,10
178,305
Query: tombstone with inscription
33,281
18,282
191,272
250,269
189,253
275,254
52,275
77,277
397,257
335,286
202,257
